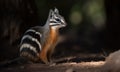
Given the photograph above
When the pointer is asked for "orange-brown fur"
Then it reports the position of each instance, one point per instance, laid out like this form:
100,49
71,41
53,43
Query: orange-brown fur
49,46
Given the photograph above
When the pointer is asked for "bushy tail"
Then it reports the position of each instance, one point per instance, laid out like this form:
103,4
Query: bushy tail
30,45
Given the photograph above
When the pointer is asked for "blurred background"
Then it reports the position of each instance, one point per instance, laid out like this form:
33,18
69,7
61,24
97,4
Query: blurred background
92,25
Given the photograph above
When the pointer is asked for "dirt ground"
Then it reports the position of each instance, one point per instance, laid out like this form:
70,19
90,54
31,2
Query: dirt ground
81,63
62,67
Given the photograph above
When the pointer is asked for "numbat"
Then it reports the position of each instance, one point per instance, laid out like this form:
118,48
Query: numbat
38,43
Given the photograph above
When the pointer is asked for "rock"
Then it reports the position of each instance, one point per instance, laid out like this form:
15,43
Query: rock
112,62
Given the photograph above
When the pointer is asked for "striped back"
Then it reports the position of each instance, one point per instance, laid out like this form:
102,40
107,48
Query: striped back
30,44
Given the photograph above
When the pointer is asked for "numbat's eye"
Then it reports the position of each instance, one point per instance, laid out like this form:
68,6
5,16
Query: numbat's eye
57,19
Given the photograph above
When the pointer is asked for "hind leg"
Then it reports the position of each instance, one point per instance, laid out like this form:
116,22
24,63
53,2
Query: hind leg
49,55
43,57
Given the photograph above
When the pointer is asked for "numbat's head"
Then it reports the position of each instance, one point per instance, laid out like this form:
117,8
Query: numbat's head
56,20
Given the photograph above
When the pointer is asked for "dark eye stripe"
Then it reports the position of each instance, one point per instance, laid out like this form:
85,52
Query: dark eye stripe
57,20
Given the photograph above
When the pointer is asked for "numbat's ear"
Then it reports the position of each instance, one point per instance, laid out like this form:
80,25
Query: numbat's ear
56,10
50,13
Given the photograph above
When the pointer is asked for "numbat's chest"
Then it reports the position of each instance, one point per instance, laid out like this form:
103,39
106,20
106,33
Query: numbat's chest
51,39
53,35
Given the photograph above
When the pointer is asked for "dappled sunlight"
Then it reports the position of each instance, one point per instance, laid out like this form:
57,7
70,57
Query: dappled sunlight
75,17
85,64
93,64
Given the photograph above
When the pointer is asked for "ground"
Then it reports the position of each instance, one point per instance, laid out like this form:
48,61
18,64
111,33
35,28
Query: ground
63,67
63,64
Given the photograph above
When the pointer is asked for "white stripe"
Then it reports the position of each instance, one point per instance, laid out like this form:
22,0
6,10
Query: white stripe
53,20
31,38
28,46
55,24
31,30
